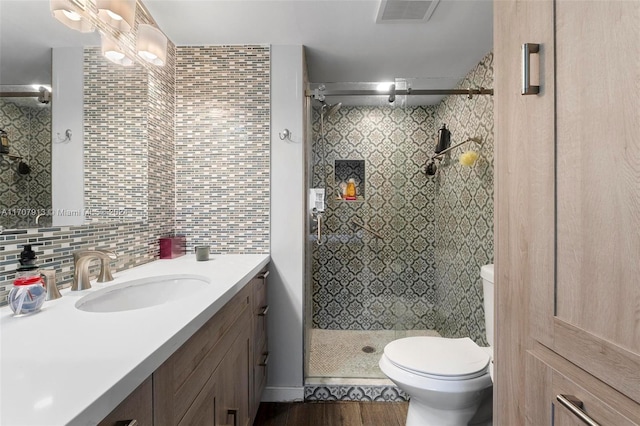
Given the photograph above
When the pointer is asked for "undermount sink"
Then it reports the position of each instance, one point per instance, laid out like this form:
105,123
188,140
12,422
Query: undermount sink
142,293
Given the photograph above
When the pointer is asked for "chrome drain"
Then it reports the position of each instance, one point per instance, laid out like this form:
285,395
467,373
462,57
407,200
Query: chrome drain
368,349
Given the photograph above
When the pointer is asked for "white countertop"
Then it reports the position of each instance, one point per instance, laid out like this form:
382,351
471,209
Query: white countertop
66,366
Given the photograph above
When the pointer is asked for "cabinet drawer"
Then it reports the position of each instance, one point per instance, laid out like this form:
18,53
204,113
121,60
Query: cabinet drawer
550,376
580,402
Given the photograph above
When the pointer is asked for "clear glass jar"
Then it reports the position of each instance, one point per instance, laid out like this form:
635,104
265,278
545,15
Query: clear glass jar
27,294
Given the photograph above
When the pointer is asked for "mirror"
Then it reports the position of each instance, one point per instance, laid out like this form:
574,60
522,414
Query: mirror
25,156
97,152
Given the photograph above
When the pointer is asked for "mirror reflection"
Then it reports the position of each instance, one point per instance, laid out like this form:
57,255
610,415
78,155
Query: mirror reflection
87,157
25,157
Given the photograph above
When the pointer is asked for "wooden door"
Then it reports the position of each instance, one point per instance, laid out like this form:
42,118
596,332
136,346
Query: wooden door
595,322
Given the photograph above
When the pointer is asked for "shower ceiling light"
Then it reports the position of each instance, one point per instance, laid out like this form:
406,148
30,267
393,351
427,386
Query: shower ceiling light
113,52
71,13
151,44
384,87
118,14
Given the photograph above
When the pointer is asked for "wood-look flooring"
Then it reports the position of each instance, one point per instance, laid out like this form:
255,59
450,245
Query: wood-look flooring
339,413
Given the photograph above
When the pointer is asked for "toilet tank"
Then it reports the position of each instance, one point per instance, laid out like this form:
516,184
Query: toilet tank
486,272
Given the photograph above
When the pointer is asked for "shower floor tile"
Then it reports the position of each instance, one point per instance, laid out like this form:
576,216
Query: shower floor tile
352,353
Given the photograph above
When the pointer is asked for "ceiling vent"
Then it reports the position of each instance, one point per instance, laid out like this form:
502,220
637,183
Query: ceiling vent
406,11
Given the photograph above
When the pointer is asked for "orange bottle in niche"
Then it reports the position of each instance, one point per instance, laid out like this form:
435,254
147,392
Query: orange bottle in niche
350,193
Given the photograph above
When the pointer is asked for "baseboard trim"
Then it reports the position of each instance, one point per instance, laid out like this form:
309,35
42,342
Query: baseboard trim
279,394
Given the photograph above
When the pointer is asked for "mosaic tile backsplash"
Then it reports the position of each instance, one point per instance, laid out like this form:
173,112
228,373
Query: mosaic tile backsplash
436,231
222,147
115,139
29,131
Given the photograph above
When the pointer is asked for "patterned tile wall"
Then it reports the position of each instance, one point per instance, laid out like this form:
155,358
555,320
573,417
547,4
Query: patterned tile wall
136,242
464,210
361,281
437,231
222,147
29,132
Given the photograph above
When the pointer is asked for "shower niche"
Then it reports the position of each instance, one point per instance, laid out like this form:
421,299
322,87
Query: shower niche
349,178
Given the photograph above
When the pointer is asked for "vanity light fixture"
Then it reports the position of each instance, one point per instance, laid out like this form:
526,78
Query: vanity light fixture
151,44
118,14
114,52
85,15
71,13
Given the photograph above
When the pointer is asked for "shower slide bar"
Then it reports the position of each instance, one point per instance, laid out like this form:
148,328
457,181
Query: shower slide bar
366,228
401,92
43,95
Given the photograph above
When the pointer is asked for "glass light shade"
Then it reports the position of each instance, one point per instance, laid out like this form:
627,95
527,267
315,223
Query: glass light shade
151,44
113,52
71,13
118,14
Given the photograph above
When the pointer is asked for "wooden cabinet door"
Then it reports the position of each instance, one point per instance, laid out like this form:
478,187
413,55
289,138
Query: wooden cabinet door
232,381
595,322
567,196
524,190
138,406
202,411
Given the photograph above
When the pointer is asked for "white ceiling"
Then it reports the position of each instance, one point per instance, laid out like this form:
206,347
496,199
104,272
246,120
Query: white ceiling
342,39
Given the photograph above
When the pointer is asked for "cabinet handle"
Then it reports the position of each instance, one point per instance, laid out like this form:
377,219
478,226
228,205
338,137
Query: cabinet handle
265,361
264,276
233,412
574,405
527,50
132,422
263,311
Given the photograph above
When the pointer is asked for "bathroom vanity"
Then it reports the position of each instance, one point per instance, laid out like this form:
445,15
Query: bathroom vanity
188,361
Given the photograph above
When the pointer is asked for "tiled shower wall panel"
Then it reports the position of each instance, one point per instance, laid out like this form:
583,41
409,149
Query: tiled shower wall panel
360,281
464,210
136,242
29,132
222,147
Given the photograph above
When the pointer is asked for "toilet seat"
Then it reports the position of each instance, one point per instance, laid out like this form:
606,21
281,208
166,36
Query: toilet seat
439,358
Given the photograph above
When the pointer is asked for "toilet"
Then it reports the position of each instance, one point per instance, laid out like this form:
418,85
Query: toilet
446,379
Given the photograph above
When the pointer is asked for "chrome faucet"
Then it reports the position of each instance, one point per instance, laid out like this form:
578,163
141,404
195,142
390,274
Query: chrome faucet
81,260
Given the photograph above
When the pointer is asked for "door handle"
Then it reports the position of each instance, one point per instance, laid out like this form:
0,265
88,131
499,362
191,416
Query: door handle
574,405
234,413
527,50
132,422
265,361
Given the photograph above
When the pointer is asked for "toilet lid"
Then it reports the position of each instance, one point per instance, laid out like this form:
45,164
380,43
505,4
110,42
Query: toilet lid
456,359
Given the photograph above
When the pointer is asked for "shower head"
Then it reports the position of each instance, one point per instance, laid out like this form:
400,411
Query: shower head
431,168
328,110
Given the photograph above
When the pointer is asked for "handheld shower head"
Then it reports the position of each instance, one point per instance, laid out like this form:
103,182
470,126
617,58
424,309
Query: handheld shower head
328,110
431,168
